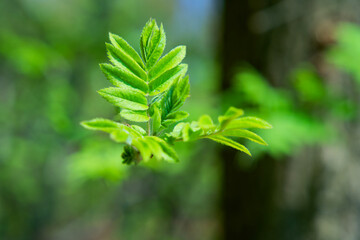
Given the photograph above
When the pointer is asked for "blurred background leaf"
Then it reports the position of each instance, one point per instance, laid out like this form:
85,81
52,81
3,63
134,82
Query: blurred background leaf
293,63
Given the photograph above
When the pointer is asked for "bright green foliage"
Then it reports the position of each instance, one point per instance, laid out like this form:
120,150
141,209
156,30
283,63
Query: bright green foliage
230,125
151,89
294,127
346,53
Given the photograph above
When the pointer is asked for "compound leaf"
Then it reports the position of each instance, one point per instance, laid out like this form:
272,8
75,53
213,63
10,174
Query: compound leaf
150,88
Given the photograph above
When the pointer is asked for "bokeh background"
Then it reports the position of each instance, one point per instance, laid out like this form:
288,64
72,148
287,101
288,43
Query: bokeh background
295,63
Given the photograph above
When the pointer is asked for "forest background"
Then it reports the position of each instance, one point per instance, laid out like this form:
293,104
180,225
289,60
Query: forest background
295,63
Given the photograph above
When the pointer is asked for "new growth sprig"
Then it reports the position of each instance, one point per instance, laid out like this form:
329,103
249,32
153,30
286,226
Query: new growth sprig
150,90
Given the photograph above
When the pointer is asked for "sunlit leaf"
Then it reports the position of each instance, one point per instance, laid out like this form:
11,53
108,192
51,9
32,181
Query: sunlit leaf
124,62
146,37
157,45
175,117
249,122
231,114
124,98
121,78
242,133
156,121
134,116
101,124
230,143
164,81
151,89
121,136
168,153
170,60
139,129
122,44
205,122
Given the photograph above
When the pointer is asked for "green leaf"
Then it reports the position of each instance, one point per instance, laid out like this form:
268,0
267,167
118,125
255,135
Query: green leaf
157,45
144,147
135,116
164,81
190,132
120,43
177,131
124,98
231,143
205,122
139,129
122,78
168,153
155,148
244,134
175,117
170,60
101,124
249,122
174,98
105,125
152,89
181,92
146,37
124,62
121,136
156,120
231,114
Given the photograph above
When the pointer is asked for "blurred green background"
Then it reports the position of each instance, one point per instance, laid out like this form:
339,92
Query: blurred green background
295,63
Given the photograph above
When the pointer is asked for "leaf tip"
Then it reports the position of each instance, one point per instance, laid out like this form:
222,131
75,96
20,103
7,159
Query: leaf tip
101,65
101,92
83,124
183,49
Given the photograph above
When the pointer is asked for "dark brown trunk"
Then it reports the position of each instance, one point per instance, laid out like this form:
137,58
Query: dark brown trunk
247,197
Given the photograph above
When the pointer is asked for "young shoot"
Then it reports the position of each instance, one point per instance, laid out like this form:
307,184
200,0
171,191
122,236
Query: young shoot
150,89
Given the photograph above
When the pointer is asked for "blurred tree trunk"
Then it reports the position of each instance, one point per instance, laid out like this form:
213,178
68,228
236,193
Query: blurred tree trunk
297,198
248,197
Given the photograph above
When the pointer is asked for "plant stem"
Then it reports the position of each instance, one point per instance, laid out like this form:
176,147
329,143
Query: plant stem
149,127
148,113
